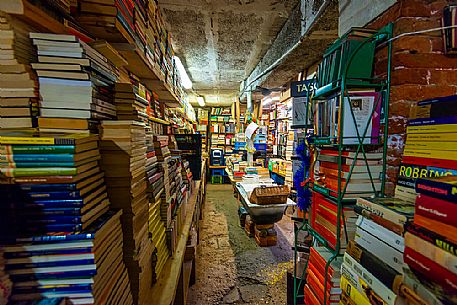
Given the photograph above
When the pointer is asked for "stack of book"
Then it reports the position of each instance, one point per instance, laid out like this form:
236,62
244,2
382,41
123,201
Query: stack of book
123,150
131,103
321,285
161,147
75,84
431,241
324,221
430,149
18,93
359,183
373,262
111,20
58,239
86,267
38,199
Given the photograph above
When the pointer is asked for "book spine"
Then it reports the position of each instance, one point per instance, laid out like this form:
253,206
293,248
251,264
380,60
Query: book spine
438,189
382,233
436,239
388,276
45,171
431,270
397,229
350,289
411,282
36,149
437,209
426,122
425,129
60,195
49,264
429,136
35,164
439,256
383,212
355,272
434,154
436,226
389,255
25,158
45,180
56,238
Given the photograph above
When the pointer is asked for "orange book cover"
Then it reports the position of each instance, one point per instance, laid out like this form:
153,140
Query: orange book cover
437,226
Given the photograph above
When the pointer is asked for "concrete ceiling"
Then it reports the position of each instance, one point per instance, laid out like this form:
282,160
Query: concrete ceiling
221,41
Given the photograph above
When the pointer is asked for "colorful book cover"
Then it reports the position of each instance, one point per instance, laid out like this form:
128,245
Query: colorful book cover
368,285
34,138
449,120
439,256
44,171
388,237
431,270
443,187
393,209
37,149
37,158
437,209
440,228
434,238
432,129
397,229
349,288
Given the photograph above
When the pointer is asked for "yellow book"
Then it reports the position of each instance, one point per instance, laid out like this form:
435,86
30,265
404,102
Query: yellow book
431,137
434,154
432,128
431,145
351,291
35,138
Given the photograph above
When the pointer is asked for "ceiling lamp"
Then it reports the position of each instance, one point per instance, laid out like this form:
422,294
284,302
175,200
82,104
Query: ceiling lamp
201,101
185,80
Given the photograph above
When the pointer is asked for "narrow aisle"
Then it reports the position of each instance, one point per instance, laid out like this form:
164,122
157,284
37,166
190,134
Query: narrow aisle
231,268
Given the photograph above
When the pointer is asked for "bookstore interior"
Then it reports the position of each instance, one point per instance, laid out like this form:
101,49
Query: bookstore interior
171,152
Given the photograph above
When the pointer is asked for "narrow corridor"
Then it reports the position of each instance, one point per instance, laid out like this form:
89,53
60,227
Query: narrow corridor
231,268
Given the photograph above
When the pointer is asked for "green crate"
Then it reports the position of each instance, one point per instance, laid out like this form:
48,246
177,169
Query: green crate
217,179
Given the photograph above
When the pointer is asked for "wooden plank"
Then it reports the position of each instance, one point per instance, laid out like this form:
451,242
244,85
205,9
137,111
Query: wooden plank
164,291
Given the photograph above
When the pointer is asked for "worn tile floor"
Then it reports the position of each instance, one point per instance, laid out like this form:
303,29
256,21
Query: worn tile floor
231,268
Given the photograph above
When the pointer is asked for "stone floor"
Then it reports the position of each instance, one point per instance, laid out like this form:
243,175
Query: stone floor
231,268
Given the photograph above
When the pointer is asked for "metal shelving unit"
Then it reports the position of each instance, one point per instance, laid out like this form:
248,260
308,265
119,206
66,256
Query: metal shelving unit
342,86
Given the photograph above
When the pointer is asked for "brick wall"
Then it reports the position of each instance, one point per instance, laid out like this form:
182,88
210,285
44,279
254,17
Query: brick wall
420,69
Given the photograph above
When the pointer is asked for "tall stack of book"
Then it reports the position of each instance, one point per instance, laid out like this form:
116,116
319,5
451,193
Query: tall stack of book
75,84
430,149
324,221
123,150
359,183
58,239
373,263
316,276
18,93
431,241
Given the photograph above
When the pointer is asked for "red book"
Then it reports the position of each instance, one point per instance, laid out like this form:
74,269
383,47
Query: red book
311,299
329,210
319,263
431,270
450,164
437,209
318,287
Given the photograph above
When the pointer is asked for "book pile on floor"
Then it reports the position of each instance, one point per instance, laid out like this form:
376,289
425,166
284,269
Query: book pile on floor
58,238
316,275
431,242
123,148
430,148
359,183
18,94
75,84
324,221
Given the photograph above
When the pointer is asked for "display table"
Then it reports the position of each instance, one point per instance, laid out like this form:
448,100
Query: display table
260,214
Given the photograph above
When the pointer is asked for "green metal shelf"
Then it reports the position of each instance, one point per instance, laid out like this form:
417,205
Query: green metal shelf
342,86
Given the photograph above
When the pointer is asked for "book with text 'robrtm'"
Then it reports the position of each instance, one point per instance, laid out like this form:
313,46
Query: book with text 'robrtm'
441,187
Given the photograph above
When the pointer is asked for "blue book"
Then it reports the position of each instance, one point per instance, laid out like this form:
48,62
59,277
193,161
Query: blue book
61,203
24,158
54,288
48,187
54,220
51,273
54,301
55,195
52,212
29,253
38,164
433,121
9,267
